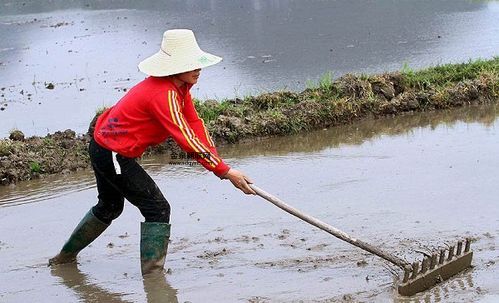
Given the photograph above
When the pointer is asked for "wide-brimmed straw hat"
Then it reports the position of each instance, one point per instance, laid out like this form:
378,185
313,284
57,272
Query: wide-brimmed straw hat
179,53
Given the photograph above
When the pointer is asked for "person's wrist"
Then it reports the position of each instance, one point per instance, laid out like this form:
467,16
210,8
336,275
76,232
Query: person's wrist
224,175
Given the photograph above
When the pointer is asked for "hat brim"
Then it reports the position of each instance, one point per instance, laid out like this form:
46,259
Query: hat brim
162,64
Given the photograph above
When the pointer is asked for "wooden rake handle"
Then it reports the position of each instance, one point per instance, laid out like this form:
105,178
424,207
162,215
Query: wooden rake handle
328,228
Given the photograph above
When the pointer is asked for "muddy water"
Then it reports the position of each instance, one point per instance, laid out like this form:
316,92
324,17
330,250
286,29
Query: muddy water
89,50
405,184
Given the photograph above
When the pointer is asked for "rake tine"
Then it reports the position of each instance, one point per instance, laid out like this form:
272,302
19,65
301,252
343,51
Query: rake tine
467,247
415,269
433,262
459,248
451,253
442,257
407,272
416,282
425,264
450,262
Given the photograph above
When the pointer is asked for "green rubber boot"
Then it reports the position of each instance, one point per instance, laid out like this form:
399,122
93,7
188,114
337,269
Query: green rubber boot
85,233
154,237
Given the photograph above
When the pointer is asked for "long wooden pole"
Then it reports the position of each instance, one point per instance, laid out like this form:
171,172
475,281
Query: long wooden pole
328,228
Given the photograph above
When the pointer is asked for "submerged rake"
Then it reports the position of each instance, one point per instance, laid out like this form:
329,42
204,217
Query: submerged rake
417,277
450,262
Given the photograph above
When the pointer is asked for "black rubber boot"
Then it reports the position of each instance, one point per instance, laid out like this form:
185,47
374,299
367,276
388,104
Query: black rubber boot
85,233
154,237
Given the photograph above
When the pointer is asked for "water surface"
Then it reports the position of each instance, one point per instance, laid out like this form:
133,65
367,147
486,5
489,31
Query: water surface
89,50
406,184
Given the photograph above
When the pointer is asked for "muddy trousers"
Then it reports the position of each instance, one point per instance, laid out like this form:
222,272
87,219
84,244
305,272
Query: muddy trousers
118,178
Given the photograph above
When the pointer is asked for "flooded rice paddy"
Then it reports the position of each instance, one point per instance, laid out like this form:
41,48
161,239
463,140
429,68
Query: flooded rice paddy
62,60
407,184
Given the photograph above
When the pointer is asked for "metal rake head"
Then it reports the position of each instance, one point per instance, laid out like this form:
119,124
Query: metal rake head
436,268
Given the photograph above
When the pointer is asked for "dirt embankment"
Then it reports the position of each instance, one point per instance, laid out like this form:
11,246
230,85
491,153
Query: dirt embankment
345,100
351,98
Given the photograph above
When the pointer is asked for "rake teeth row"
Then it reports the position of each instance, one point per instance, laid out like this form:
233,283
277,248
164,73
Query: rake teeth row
435,268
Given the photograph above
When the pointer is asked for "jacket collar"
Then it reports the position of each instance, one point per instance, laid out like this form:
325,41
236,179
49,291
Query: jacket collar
182,90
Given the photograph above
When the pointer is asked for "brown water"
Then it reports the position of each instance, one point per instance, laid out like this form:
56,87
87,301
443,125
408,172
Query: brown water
404,184
90,49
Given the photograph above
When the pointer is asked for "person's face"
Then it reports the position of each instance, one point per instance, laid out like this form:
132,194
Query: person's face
189,77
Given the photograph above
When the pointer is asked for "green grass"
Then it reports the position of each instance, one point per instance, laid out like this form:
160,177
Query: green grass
324,83
441,75
326,103
5,148
209,111
351,97
327,90
35,167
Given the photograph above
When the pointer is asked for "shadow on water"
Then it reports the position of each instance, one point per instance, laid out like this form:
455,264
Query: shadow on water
156,288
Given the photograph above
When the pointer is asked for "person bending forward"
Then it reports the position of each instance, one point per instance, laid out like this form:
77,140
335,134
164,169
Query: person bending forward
153,110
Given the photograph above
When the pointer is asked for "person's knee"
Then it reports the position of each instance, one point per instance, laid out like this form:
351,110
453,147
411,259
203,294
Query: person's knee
108,212
165,213
159,213
116,211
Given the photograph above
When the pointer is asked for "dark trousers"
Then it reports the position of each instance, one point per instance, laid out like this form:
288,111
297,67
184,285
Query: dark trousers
133,183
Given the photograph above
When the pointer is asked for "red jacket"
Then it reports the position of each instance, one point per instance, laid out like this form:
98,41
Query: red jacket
148,114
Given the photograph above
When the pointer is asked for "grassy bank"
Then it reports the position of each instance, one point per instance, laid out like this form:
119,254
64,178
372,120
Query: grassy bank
329,103
352,97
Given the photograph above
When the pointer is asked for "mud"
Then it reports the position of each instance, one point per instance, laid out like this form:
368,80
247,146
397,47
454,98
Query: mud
388,181
344,101
34,157
351,98
408,183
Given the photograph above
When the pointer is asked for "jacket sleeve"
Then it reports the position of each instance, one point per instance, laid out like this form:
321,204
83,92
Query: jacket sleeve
167,109
197,124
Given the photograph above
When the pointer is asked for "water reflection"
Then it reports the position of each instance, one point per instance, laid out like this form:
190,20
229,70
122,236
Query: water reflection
77,281
158,290
286,146
156,287
49,187
362,131
441,293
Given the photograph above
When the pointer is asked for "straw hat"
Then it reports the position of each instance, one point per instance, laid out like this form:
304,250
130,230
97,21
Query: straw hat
179,53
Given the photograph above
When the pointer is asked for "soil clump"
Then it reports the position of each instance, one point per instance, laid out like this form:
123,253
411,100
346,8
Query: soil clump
330,103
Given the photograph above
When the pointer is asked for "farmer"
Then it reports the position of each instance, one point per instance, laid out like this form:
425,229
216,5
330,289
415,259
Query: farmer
153,110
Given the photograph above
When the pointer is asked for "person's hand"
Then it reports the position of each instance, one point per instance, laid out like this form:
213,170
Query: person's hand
240,181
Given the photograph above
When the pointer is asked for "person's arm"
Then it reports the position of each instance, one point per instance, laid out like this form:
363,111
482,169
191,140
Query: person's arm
237,178
168,111
197,123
